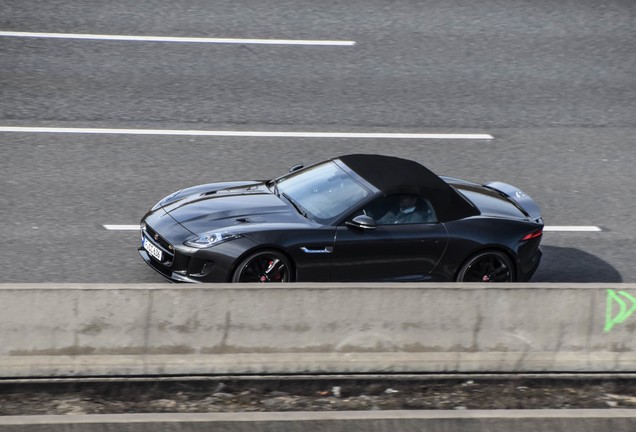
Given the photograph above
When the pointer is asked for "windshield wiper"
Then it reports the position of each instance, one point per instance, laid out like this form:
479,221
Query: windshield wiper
295,204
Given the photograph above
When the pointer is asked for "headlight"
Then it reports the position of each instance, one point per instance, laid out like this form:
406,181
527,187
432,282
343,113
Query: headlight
210,239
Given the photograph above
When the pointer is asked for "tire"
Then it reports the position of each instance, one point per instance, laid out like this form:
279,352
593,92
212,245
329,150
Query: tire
263,266
487,266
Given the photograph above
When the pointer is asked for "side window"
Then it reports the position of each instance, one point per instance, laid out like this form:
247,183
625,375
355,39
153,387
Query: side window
401,209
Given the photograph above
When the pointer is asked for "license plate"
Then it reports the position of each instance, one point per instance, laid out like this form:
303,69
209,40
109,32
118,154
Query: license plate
152,250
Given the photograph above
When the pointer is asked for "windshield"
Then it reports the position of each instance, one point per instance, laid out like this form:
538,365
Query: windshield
324,192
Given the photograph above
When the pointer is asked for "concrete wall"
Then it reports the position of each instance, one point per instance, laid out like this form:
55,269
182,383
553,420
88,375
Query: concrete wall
74,329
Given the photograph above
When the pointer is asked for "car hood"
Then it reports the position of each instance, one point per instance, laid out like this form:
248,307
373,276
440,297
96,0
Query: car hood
231,210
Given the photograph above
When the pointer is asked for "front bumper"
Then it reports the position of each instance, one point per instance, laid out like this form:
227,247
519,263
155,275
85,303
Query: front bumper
185,264
165,271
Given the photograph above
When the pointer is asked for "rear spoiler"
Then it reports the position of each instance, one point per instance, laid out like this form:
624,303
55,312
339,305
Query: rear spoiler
519,197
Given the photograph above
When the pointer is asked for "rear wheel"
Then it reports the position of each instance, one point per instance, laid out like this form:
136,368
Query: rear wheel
487,266
263,266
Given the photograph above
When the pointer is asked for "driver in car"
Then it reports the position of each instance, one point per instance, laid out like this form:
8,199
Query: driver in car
407,213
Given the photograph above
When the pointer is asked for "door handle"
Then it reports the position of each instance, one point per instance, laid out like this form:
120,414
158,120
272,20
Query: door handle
327,249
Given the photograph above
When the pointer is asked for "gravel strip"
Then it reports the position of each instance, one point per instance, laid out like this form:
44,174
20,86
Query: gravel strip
311,395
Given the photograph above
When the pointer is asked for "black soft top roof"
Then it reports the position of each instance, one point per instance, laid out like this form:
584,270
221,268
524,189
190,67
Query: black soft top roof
392,175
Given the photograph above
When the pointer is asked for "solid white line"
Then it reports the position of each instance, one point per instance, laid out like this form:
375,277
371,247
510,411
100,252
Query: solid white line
176,39
547,228
121,227
572,229
263,134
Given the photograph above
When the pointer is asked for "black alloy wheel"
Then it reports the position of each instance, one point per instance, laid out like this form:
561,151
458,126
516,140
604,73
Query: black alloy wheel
263,266
488,266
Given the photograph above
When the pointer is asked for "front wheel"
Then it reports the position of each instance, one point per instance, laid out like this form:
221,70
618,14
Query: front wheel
263,266
487,266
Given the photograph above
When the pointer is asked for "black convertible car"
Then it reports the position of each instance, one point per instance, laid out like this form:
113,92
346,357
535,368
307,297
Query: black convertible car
353,218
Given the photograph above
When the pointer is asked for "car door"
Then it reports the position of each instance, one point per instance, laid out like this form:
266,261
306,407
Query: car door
391,251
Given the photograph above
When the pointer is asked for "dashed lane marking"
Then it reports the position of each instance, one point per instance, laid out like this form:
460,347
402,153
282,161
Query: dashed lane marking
255,134
572,229
132,38
121,227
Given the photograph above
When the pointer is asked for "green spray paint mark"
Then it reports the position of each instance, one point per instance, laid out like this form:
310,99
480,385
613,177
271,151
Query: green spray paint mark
623,312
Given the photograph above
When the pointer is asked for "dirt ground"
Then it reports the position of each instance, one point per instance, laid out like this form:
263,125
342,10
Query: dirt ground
311,395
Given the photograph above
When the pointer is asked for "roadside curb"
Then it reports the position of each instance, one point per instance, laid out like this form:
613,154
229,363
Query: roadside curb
588,420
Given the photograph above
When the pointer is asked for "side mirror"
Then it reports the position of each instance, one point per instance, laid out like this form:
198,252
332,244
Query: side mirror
363,222
296,168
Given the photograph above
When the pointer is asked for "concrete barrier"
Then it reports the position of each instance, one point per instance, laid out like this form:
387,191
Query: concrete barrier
615,420
82,330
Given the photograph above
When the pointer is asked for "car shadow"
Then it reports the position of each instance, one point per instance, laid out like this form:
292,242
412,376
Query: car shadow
562,264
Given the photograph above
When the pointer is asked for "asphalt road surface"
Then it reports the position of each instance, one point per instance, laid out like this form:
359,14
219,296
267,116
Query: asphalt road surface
552,81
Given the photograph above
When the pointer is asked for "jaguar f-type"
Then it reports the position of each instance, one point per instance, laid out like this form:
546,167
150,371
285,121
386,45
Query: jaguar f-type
358,217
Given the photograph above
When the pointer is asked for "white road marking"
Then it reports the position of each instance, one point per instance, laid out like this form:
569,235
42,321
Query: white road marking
121,227
132,38
572,228
260,134
546,228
